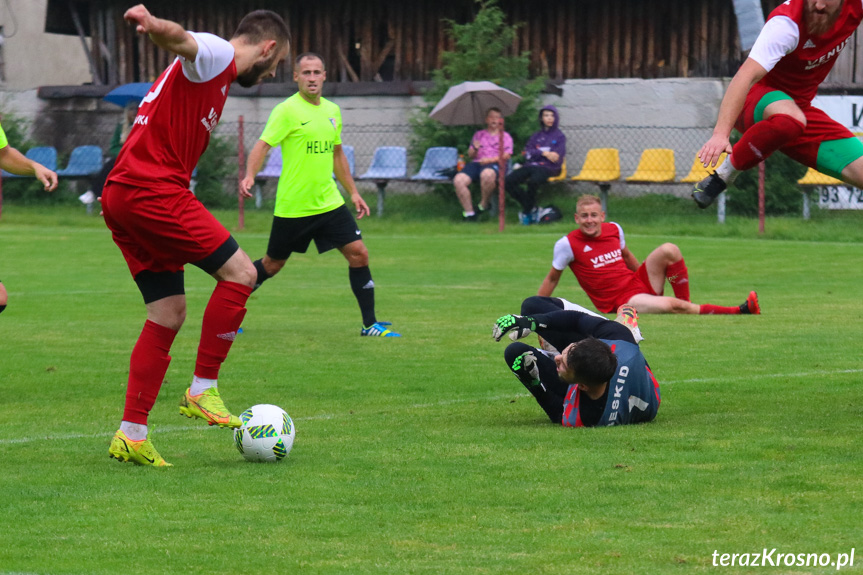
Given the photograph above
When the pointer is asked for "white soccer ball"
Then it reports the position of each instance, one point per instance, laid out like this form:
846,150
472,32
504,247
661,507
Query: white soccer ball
267,433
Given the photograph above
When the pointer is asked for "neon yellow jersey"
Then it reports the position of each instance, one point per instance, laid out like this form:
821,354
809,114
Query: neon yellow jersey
307,135
3,141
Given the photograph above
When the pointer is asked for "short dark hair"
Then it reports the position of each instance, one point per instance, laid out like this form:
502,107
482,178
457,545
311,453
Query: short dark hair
493,109
305,55
261,25
592,362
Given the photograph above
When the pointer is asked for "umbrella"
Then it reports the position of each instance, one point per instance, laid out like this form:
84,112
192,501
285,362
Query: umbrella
126,93
467,103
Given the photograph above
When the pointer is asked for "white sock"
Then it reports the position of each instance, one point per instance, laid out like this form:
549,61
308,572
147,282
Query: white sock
200,385
134,431
726,171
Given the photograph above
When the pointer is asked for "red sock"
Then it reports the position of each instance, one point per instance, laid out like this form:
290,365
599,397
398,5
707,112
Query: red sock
710,309
764,138
222,319
147,369
678,277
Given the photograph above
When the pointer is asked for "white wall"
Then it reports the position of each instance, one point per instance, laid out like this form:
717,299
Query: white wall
33,58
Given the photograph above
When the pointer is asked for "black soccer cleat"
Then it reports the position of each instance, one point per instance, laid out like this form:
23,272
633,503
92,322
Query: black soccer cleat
707,190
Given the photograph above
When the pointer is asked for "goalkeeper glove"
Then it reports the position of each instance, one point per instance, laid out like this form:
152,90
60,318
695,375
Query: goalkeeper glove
516,325
525,369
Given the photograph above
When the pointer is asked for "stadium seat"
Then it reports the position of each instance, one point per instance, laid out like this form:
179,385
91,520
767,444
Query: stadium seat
273,167
388,163
438,164
562,175
84,161
813,177
45,155
655,166
349,154
698,172
600,165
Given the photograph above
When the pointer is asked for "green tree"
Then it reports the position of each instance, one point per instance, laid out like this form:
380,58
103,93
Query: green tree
482,52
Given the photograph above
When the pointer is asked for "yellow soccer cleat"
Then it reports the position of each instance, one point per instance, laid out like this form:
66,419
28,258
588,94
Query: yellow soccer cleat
626,315
140,452
209,407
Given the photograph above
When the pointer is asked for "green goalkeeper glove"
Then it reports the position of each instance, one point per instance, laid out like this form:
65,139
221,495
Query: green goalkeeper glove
525,369
516,325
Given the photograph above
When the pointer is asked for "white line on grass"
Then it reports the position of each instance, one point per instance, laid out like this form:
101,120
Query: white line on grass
325,416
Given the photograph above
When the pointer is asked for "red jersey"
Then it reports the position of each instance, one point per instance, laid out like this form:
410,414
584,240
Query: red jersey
598,265
175,119
800,72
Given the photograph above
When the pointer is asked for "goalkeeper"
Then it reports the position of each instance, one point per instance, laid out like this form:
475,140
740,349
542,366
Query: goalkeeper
600,377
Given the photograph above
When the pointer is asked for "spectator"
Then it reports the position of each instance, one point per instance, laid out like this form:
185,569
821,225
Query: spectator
484,153
544,155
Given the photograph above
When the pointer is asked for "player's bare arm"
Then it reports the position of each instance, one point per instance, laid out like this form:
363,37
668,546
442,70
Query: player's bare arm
14,161
165,34
342,170
629,259
254,163
549,283
729,110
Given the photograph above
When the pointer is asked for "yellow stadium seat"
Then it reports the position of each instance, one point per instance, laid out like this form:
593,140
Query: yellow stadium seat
813,177
655,165
699,172
600,165
562,175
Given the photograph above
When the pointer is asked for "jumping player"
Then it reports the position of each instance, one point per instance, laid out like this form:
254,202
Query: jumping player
600,378
611,276
160,226
769,98
309,205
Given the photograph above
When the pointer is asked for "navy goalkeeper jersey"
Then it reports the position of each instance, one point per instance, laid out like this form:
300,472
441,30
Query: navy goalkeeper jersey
633,392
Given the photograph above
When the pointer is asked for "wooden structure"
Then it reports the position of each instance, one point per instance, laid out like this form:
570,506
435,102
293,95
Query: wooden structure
394,40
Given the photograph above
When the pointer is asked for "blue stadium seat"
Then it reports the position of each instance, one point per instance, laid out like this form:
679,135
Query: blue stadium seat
388,163
437,164
84,161
349,154
45,155
273,167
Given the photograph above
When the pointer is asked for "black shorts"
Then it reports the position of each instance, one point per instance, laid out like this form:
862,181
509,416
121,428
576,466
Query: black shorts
332,229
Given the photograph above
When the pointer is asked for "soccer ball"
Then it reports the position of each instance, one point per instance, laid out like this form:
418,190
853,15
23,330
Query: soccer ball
267,433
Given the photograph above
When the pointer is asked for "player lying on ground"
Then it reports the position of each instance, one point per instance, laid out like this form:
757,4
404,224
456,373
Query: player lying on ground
611,276
599,378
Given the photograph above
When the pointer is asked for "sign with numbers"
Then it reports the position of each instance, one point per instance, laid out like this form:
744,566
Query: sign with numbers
840,198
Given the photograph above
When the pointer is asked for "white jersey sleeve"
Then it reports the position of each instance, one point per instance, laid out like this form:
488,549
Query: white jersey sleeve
620,233
778,38
214,56
562,254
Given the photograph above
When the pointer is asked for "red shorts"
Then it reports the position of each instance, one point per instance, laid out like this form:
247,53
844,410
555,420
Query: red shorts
819,127
640,283
160,230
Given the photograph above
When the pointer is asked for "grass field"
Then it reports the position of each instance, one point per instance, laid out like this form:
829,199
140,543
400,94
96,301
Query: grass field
424,454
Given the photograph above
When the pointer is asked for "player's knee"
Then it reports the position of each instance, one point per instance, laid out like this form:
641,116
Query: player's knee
514,350
272,267
671,252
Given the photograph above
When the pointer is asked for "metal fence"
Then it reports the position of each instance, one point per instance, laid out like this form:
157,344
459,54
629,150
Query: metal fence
678,146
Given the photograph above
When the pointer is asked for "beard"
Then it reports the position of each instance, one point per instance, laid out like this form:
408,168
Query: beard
819,23
256,73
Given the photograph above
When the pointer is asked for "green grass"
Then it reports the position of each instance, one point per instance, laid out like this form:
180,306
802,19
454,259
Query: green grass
423,454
